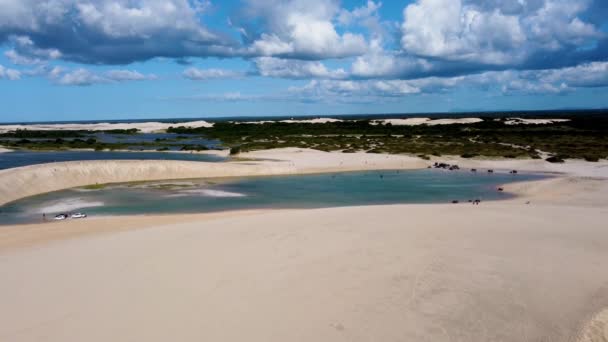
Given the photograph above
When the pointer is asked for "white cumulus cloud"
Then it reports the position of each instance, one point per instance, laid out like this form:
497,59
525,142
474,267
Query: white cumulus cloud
10,74
206,74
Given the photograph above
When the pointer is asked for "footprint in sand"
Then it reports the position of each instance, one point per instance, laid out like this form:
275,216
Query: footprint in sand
597,329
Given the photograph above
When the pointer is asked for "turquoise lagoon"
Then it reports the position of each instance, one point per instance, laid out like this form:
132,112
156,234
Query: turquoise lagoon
294,191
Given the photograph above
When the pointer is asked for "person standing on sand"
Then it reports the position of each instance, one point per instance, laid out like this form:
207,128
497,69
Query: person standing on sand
43,217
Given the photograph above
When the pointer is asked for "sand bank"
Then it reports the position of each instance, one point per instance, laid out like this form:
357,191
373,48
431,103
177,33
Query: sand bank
4,150
500,271
145,127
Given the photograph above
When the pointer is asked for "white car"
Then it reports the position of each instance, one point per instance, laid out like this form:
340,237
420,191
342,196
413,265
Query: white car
78,215
61,217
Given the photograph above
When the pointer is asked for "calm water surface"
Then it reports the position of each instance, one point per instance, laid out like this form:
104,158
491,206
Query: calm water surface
302,191
24,158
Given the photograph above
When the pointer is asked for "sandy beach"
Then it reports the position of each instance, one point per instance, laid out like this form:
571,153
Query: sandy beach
501,271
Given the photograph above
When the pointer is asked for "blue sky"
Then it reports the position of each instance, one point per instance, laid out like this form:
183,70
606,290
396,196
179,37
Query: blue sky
122,59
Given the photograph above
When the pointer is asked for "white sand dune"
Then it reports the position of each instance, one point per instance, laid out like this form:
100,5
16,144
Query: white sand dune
521,121
316,120
426,121
495,272
4,150
145,127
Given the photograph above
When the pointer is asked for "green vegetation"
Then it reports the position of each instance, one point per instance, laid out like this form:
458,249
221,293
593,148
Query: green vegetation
61,144
129,131
555,159
48,134
584,137
235,150
69,140
194,148
94,187
30,134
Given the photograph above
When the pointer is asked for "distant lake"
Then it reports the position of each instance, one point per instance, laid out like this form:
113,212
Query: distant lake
171,140
24,158
136,142
298,191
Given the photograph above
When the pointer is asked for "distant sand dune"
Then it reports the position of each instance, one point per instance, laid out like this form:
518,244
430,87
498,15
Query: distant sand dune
315,121
145,127
426,121
520,121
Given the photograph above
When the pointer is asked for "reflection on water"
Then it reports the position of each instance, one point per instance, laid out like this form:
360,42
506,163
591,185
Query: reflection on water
302,191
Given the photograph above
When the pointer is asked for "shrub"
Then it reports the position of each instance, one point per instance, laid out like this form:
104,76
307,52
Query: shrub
235,150
468,155
555,159
375,150
194,148
591,158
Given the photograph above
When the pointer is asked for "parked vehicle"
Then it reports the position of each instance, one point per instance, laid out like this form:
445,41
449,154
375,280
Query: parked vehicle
79,215
61,217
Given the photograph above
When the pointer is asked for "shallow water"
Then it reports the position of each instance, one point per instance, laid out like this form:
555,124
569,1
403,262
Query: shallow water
24,158
301,191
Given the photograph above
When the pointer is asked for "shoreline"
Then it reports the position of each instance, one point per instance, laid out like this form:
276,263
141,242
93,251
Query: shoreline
517,194
523,193
42,178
